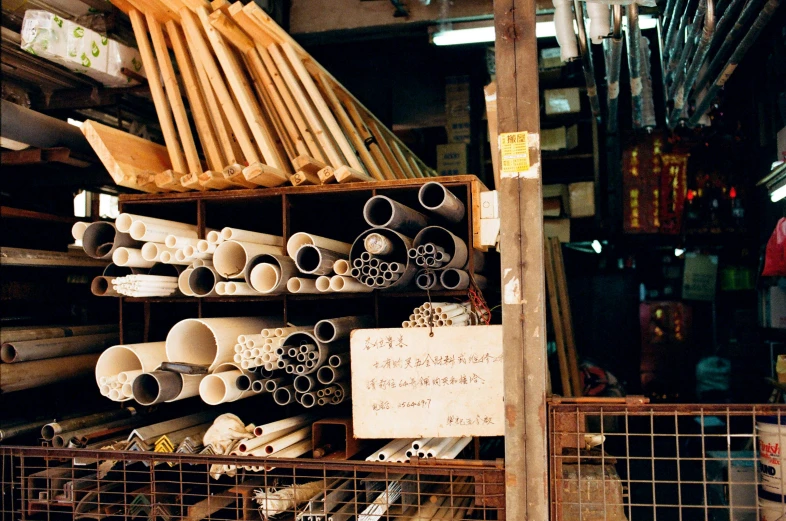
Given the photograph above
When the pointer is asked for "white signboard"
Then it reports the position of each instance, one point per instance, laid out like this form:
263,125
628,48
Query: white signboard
407,384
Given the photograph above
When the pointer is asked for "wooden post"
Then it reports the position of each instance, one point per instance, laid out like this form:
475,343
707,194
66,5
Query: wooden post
523,289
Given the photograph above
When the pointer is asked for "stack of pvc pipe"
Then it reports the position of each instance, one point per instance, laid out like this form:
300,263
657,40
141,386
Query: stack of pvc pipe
272,439
119,366
442,314
146,286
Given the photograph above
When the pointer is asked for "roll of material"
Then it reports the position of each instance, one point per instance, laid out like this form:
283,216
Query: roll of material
130,357
231,257
301,238
435,198
211,341
101,239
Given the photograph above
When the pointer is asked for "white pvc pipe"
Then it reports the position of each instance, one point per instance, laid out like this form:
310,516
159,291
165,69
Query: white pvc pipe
235,234
265,278
203,280
141,231
302,285
191,252
190,386
196,263
210,340
221,288
341,284
341,267
454,450
127,390
214,237
301,238
433,196
332,329
253,340
390,449
182,282
205,247
78,230
281,332
322,284
220,387
566,35
231,257
178,241
600,21
435,449
130,357
128,376
240,288
256,446
130,257
151,251
125,220
288,440
280,425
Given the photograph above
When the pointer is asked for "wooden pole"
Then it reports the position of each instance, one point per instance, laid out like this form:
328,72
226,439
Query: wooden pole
556,320
567,317
521,244
408,172
384,167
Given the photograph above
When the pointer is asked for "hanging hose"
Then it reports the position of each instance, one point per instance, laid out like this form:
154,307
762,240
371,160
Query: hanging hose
586,60
647,100
612,51
633,38
682,91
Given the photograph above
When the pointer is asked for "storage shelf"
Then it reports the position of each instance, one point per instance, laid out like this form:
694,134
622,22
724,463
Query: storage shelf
304,296
47,259
7,212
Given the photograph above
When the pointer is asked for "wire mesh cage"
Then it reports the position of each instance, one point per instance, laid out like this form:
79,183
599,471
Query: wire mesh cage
45,483
639,462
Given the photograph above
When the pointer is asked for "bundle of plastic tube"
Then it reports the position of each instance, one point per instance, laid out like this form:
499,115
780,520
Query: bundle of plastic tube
402,449
145,286
442,314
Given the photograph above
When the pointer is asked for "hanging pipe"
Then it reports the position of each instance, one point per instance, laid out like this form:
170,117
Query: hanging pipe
566,38
612,48
677,73
673,19
750,37
678,112
675,44
586,60
647,100
633,36
600,27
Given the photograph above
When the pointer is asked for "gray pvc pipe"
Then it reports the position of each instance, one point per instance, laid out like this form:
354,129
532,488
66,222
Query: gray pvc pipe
102,239
436,198
384,212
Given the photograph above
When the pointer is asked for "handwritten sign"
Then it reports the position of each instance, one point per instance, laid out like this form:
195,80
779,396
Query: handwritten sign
406,384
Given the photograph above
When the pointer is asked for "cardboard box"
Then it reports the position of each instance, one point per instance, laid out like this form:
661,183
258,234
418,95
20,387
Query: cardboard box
562,101
700,277
561,138
557,228
452,159
582,199
559,192
457,110
550,58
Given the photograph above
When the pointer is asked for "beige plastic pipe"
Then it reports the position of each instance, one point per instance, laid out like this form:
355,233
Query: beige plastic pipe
393,447
124,222
151,251
322,284
221,287
78,230
329,375
283,395
211,340
436,446
240,288
130,357
341,284
220,388
231,257
281,332
316,260
235,234
203,247
288,440
271,280
454,449
302,285
202,281
178,241
26,351
130,257
182,282
142,231
280,425
256,446
332,329
265,278
101,239
341,267
301,238
102,287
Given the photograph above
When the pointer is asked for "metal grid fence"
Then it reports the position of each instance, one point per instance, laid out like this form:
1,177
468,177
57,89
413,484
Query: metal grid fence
45,483
681,462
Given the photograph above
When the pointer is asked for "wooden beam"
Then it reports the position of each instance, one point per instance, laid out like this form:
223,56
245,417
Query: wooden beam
521,244
54,259
7,212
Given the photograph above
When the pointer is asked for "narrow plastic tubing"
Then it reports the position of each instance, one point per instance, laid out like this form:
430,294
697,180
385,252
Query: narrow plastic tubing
78,230
333,329
393,447
443,238
301,285
341,267
304,337
288,440
314,260
210,340
130,257
257,386
236,234
151,251
102,287
130,357
221,288
341,284
435,449
328,375
128,376
284,395
240,288
125,220
214,237
231,257
141,231
308,400
454,450
272,384
202,281
304,383
399,255
301,238
384,212
156,387
323,284
101,239
433,196
176,241
338,360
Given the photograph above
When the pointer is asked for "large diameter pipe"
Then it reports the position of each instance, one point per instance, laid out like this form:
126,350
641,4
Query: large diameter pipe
101,239
142,231
231,257
130,257
328,375
220,388
42,349
454,279
341,284
301,238
273,277
384,212
24,333
436,198
27,375
333,329
202,281
235,234
50,430
157,387
124,222
211,341
146,357
301,285
314,260
401,243
566,36
453,245
306,338
183,282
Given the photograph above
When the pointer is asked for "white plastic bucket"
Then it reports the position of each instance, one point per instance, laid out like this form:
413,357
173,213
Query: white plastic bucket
772,510
771,436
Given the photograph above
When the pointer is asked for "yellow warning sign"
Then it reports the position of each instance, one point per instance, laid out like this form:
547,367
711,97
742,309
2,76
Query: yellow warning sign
514,149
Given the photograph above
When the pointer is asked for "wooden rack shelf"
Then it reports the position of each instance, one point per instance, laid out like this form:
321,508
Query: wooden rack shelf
47,259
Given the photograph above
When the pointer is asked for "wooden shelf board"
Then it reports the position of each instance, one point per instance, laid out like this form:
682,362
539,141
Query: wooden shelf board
7,212
47,259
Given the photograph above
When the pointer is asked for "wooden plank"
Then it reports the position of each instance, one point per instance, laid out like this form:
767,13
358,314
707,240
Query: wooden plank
305,178
173,94
307,164
7,212
192,182
384,170
29,156
416,166
402,161
567,317
234,174
521,246
379,137
169,180
54,259
344,174
213,155
214,181
243,95
262,175
204,56
556,320
160,102
124,155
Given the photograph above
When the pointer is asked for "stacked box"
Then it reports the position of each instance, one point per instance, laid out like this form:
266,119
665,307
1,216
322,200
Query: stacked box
457,109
